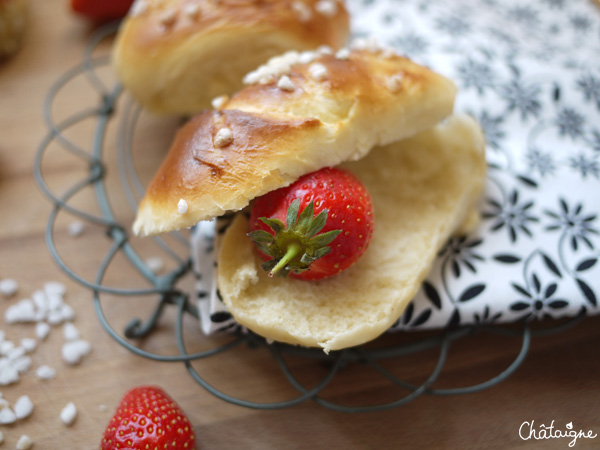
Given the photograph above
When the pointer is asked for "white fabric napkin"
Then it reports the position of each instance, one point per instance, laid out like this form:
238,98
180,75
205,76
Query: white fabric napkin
530,73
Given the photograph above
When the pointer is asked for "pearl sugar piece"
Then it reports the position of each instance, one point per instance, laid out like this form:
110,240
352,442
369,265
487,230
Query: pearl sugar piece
8,287
219,102
302,11
42,329
223,137
45,372
74,351
394,83
328,8
318,71
7,416
23,407
182,206
75,228
286,84
68,414
24,443
70,332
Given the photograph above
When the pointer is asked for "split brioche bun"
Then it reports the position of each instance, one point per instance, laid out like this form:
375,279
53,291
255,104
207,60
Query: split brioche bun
175,56
332,109
423,188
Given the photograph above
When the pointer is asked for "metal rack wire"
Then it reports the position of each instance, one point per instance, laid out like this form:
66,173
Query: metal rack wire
164,286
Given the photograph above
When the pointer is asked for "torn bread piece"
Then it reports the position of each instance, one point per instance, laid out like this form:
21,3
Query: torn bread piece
175,56
422,188
329,109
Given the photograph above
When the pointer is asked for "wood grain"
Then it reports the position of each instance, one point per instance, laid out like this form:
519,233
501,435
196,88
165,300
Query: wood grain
558,381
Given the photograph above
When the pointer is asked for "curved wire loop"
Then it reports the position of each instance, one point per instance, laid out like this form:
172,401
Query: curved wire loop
169,296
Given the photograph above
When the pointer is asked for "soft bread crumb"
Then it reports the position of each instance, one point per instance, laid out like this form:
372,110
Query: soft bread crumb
437,176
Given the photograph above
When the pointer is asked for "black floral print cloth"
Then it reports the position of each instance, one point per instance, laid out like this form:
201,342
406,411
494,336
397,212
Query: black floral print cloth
530,73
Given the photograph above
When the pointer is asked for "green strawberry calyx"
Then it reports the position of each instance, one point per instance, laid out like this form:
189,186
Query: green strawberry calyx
294,246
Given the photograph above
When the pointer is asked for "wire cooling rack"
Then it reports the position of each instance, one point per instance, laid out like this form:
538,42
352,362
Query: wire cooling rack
164,288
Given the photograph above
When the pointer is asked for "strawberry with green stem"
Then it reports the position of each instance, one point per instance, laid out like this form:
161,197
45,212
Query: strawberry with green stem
315,228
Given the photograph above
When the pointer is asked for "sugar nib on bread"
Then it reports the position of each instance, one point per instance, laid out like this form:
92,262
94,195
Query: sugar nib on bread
379,116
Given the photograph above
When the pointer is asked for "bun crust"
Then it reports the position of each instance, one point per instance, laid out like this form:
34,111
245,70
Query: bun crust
422,190
268,135
175,56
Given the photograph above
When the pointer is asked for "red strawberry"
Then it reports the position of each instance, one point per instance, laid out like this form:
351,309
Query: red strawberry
309,248
101,10
147,418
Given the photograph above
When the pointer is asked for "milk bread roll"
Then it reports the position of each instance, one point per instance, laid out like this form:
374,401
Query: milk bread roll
175,56
301,112
422,188
13,21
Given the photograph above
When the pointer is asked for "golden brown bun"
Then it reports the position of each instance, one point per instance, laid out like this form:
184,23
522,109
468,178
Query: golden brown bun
13,19
175,56
370,99
422,189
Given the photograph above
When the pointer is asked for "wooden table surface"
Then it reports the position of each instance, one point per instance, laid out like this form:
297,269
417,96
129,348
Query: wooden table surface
559,379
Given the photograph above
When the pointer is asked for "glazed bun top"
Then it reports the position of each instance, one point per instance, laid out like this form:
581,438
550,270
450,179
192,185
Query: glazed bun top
299,113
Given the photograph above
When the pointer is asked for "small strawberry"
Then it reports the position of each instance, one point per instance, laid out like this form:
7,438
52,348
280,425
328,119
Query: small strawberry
147,418
306,246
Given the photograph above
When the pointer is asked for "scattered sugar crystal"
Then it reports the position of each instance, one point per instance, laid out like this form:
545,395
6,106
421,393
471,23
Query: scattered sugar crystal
42,329
75,228
275,67
74,351
394,83
325,50
8,375
103,408
54,301
4,403
285,83
307,57
24,443
370,44
54,317
6,347
302,11
155,264
328,8
45,372
15,353
8,287
22,364
23,407
23,311
70,332
219,102
7,416
182,206
29,344
318,71
343,53
68,414
40,300
223,137
55,287
67,312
